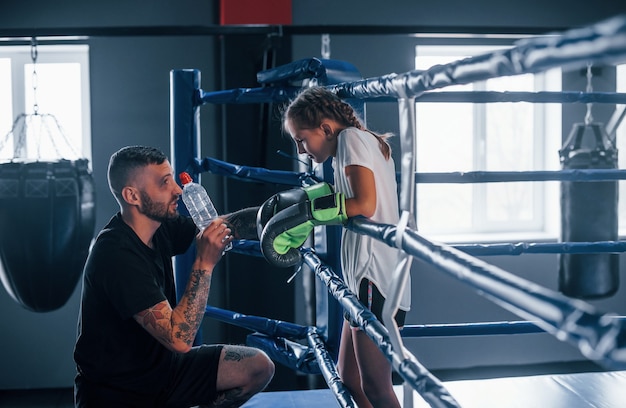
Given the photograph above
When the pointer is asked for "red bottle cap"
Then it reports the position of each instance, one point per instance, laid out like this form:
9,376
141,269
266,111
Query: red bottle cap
185,178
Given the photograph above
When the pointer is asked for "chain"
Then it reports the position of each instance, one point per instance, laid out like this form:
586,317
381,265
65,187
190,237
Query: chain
588,115
35,79
325,46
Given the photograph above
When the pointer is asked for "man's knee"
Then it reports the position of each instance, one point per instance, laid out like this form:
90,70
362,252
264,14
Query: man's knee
264,369
246,367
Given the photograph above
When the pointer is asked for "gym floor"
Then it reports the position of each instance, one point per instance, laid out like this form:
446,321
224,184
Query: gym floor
63,397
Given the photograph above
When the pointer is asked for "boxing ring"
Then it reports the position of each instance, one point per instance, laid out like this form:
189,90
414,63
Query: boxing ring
600,336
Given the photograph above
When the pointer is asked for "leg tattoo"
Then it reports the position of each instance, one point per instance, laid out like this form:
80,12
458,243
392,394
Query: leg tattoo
231,398
239,353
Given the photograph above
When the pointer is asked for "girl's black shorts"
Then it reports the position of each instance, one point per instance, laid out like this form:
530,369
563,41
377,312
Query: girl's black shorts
373,300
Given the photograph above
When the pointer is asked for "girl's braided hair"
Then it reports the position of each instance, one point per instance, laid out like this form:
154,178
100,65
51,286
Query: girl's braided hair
315,104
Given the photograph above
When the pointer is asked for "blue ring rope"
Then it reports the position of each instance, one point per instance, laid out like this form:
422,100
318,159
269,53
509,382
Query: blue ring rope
604,42
511,176
597,335
284,93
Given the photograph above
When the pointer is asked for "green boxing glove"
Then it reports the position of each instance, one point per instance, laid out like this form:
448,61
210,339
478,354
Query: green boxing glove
288,229
287,198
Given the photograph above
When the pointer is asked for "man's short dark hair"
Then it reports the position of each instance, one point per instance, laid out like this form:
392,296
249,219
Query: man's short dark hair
126,160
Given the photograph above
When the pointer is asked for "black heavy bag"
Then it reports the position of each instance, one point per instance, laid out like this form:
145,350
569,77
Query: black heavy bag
589,213
47,219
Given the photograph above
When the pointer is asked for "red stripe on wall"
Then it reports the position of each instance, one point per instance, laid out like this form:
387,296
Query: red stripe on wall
255,12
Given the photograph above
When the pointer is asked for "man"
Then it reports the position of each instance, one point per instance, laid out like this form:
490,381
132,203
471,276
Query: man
134,344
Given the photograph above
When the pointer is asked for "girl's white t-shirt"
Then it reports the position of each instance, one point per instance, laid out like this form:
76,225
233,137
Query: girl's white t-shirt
363,256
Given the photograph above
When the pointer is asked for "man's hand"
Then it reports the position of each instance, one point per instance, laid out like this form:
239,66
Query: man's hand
210,244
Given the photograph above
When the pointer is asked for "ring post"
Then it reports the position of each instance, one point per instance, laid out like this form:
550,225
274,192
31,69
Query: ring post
184,145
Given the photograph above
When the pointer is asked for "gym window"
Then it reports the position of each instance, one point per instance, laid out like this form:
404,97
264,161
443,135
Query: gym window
462,137
62,90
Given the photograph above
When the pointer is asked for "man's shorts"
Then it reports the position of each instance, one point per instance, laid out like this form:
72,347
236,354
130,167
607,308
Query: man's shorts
191,381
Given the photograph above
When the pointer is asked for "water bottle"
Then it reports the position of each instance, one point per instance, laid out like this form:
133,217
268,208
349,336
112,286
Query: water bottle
198,203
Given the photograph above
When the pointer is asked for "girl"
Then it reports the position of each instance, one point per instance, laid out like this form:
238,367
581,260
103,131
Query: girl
324,126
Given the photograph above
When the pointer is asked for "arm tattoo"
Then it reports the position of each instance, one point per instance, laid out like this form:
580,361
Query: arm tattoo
156,320
196,295
169,325
151,317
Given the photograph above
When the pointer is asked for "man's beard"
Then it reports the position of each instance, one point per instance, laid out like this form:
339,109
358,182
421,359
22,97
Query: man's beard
157,211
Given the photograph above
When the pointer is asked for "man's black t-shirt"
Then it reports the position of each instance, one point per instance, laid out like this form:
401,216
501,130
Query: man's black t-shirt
122,277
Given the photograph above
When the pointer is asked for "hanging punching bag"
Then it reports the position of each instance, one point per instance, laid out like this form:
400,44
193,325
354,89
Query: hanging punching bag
47,219
589,213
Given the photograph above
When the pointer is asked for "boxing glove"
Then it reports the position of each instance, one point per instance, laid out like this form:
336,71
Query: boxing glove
286,231
243,223
287,198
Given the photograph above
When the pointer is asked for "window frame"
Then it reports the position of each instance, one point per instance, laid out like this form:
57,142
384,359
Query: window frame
20,56
546,138
620,141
